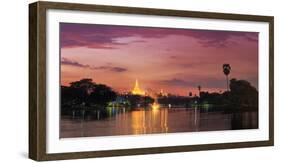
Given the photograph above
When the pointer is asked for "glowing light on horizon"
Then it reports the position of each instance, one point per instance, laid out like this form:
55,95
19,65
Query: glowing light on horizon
137,90
155,106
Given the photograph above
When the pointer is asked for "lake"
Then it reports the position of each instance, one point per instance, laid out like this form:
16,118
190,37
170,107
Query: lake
121,121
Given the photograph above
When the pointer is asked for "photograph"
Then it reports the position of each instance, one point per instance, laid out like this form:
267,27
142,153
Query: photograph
133,80
115,80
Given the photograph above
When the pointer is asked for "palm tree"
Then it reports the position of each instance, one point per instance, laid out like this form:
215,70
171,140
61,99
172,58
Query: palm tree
199,89
226,71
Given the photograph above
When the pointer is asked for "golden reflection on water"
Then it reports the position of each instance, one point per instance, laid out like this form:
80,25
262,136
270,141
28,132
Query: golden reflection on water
150,122
119,121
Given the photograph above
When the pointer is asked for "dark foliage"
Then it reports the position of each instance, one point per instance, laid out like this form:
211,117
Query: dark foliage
89,96
86,94
226,69
241,94
101,95
174,100
136,100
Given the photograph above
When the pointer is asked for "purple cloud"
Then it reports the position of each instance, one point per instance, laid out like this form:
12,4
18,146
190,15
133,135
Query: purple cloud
106,36
173,57
118,69
194,82
65,61
108,67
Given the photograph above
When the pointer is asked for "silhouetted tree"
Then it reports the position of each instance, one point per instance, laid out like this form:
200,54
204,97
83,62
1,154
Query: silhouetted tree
86,93
84,84
174,100
102,94
211,98
226,71
242,93
71,96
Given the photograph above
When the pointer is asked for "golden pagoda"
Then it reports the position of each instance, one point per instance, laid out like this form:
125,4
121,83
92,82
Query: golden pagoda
137,90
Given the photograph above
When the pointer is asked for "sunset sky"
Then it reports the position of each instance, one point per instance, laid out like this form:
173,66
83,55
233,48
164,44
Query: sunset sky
175,60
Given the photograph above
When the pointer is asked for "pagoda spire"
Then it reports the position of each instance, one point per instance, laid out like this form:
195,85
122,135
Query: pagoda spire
137,84
137,90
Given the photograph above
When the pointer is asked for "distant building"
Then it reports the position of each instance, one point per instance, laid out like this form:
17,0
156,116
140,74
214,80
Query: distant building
162,93
137,90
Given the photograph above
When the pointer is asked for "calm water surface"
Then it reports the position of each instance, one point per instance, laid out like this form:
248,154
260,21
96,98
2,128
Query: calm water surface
149,121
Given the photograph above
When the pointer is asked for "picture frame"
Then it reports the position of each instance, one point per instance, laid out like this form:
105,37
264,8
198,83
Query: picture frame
38,80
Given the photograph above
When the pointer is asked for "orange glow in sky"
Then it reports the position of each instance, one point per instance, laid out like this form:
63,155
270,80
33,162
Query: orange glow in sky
174,60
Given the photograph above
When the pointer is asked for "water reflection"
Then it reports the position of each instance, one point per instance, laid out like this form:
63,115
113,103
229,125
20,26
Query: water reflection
123,121
154,121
